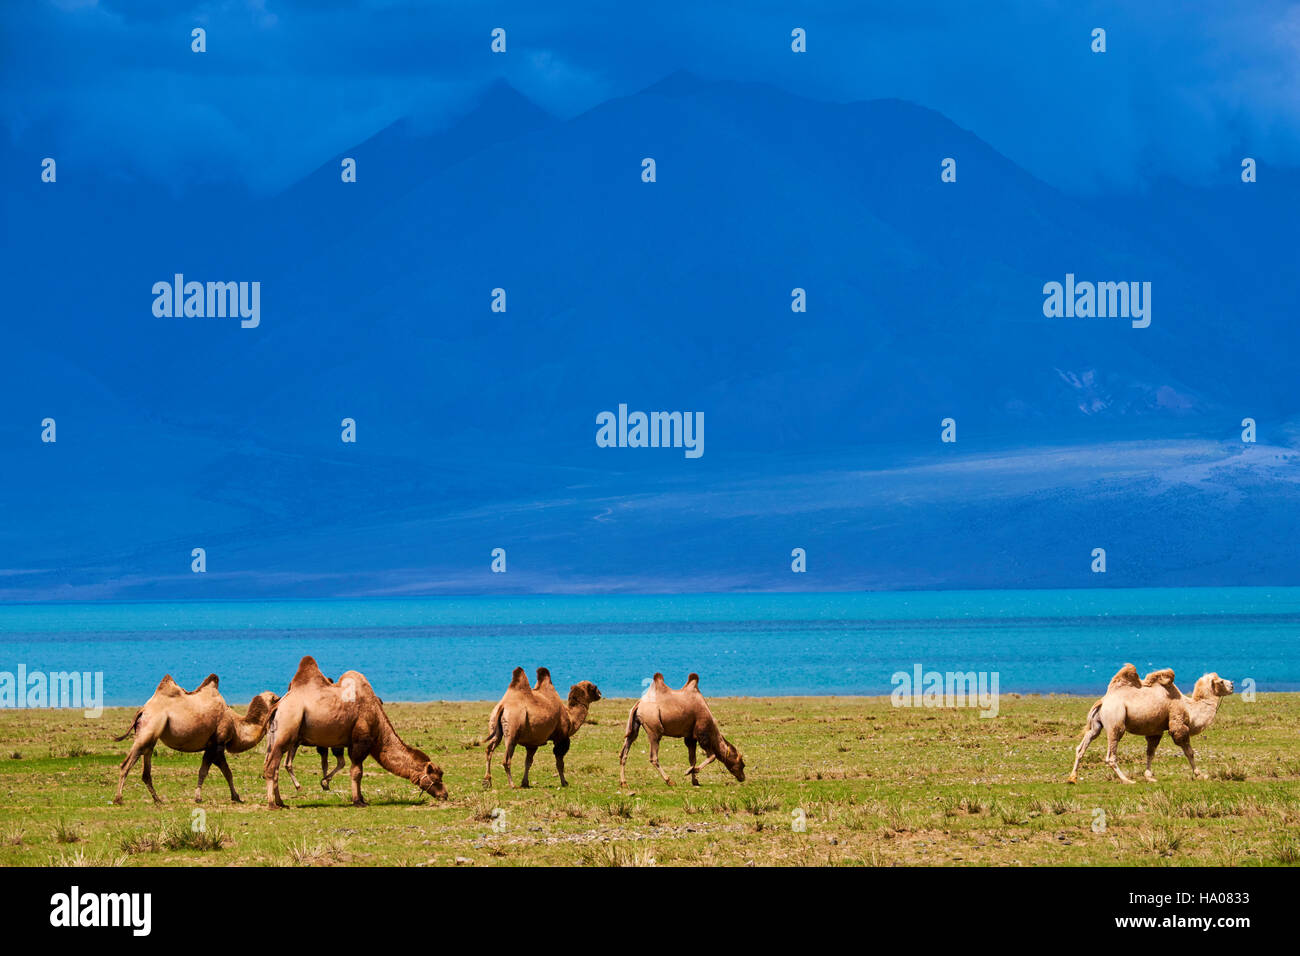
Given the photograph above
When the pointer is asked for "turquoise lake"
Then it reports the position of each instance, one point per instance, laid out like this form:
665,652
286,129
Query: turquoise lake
741,644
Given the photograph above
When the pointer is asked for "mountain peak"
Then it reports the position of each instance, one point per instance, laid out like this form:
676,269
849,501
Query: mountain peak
677,83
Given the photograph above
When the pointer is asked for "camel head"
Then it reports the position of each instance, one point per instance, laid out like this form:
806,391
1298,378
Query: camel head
261,706
731,758
1211,685
428,776
583,692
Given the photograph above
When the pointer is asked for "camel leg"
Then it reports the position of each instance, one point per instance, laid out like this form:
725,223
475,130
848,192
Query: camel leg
1152,743
204,767
690,755
127,763
529,754
326,777
147,775
505,761
634,729
1090,733
271,771
654,754
561,748
1185,741
489,745
219,761
1113,737
357,799
290,753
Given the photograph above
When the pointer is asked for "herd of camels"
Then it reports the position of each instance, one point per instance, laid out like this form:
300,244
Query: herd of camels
347,715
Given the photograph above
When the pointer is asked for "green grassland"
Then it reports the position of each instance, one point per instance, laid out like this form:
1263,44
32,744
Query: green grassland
876,785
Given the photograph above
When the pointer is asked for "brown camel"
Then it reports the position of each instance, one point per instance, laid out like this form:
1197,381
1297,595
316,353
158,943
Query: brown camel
665,712
198,721
326,774
319,713
532,716
1150,707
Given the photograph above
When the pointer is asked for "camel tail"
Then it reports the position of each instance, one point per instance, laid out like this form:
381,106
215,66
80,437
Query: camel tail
135,722
1092,715
495,729
633,722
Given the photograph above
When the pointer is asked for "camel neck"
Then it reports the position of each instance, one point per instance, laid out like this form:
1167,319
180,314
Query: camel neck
248,732
395,756
577,717
1203,710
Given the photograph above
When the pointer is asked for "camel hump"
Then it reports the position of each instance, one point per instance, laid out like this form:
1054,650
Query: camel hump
168,687
519,679
543,676
1163,677
1126,676
308,673
210,679
693,678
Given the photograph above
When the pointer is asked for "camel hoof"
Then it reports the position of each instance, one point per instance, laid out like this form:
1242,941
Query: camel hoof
276,806
236,798
116,801
1071,779
1149,776
198,799
1128,780
360,803
694,782
525,786
325,785
667,781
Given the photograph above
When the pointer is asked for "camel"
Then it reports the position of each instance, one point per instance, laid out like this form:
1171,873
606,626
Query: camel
1150,707
533,716
197,721
326,774
665,712
319,713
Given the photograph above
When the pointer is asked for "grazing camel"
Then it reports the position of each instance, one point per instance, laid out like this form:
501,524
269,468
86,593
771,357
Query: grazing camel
532,716
197,721
319,713
1150,707
665,712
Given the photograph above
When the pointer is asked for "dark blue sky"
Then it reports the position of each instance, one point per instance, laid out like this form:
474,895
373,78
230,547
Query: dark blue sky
1184,90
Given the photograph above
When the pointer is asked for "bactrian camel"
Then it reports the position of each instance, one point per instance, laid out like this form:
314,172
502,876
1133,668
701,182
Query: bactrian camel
318,713
197,721
326,774
534,716
665,712
1150,707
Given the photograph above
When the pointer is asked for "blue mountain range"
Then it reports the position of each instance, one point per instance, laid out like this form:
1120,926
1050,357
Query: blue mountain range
476,428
